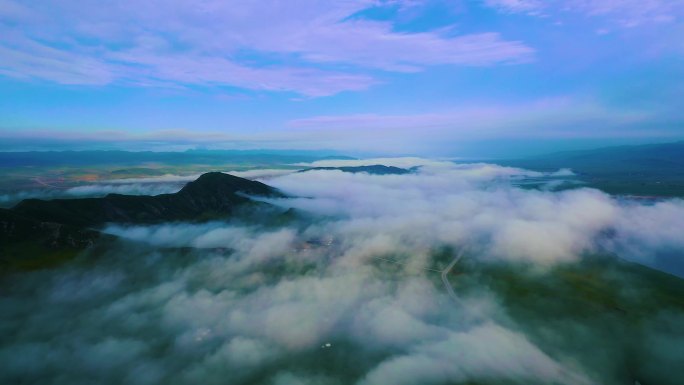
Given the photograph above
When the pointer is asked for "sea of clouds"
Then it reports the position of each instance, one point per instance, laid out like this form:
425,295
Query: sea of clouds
312,303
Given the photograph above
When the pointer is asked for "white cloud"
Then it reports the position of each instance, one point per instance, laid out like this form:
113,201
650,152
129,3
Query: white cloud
261,174
460,203
483,353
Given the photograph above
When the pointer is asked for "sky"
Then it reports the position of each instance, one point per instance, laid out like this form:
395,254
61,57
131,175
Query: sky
486,78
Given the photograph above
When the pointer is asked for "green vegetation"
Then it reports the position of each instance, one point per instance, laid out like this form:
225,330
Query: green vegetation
613,306
27,243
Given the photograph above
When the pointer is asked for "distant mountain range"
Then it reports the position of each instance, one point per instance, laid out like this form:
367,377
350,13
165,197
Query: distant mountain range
377,169
653,169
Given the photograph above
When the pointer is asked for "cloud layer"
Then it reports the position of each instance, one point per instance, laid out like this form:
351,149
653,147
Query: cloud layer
477,203
311,303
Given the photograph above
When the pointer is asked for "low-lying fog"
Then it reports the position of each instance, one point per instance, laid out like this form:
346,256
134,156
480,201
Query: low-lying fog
351,298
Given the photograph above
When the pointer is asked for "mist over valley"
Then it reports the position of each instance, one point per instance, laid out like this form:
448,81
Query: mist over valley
441,273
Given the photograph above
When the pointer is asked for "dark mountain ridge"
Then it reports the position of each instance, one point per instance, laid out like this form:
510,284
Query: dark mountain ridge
212,195
38,233
30,243
17,228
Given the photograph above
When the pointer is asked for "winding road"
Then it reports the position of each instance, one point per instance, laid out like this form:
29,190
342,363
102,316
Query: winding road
445,273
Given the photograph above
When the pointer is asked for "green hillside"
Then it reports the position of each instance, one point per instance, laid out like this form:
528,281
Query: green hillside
616,309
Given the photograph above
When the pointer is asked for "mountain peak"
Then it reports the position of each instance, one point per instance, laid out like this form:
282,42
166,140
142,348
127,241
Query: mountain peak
219,182
212,195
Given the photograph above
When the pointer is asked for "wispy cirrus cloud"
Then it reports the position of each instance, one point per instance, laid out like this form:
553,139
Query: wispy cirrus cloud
527,6
627,13
317,48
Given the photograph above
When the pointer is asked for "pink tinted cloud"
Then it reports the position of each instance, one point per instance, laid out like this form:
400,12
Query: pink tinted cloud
543,119
310,47
469,121
547,118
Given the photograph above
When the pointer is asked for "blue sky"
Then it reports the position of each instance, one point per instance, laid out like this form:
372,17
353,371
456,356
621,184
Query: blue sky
448,78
